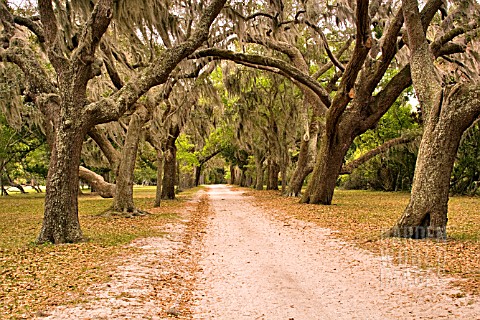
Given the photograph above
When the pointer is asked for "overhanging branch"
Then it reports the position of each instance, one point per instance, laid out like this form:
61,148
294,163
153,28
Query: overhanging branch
285,67
352,165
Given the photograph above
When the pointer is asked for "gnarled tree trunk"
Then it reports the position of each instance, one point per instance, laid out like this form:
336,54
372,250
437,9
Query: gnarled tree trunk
259,172
273,171
60,221
233,178
448,112
329,164
426,213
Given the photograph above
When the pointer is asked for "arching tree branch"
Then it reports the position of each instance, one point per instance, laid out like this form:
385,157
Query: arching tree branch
352,165
285,67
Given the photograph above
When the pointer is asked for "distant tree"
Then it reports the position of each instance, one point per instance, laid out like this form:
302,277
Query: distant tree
17,145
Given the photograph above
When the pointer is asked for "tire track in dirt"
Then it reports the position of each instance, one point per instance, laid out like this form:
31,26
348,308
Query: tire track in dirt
255,266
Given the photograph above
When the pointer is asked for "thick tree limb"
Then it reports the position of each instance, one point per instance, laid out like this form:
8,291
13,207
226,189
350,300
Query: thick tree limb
288,69
112,154
104,189
424,76
83,57
390,47
363,43
352,165
284,47
8,24
38,79
110,66
32,26
50,28
210,156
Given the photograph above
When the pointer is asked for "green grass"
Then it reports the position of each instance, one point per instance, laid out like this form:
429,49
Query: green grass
33,277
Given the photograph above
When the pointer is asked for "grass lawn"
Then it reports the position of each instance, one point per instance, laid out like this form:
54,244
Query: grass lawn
33,277
363,216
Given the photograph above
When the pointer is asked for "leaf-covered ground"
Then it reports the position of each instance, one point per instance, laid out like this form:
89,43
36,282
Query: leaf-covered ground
363,216
35,277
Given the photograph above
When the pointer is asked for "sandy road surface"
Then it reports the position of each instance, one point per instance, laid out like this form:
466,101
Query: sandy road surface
255,266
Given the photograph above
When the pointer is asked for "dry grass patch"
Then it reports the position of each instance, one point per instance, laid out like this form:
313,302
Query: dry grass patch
34,277
363,216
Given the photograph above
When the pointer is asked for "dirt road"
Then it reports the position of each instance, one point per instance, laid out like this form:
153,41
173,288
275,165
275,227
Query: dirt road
246,263
255,266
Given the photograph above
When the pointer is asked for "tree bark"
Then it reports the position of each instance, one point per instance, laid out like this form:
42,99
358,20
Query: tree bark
232,174
123,200
328,165
259,171
60,221
198,173
306,160
448,113
170,164
96,181
273,171
2,188
243,178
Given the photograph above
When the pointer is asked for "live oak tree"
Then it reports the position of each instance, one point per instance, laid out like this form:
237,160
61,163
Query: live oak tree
449,110
73,58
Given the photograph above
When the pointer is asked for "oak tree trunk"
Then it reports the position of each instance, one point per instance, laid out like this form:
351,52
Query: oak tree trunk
306,160
426,213
327,169
243,178
448,113
60,221
170,164
259,171
198,173
123,200
273,171
232,174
